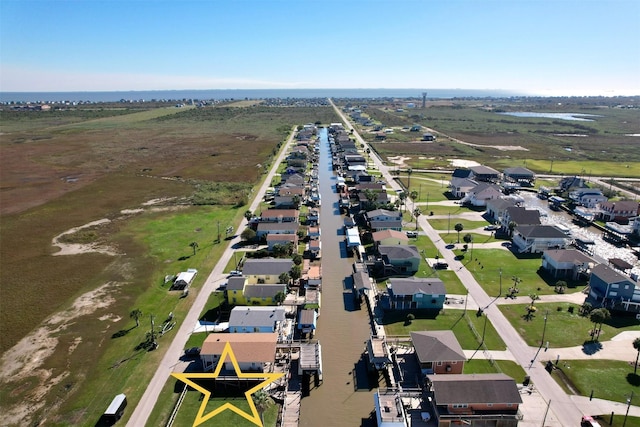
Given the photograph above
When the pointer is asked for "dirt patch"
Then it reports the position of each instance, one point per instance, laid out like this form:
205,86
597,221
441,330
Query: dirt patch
399,160
80,248
23,362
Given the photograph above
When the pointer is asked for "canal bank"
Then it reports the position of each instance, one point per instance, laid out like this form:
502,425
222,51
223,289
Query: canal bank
345,396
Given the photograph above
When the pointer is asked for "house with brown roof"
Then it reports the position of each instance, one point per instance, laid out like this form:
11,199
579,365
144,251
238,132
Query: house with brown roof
474,400
438,352
254,352
389,237
621,211
280,215
281,239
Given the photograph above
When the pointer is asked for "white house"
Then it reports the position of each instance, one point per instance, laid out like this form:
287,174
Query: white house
539,238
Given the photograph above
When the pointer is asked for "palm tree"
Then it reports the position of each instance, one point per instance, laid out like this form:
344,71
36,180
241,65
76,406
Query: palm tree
403,197
279,297
468,238
194,245
512,226
263,402
598,316
248,215
136,314
560,286
458,227
416,213
284,278
409,172
636,345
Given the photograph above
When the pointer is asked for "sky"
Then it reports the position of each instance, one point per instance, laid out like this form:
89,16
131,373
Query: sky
538,47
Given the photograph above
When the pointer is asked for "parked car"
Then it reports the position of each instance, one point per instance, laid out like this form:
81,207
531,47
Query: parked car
412,234
588,421
235,273
492,227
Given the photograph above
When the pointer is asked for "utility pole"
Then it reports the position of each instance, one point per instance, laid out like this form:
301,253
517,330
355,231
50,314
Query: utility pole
218,240
545,413
500,293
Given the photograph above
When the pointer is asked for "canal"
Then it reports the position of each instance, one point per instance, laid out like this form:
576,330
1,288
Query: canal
345,397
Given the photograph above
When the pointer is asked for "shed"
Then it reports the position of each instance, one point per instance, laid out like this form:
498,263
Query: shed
116,408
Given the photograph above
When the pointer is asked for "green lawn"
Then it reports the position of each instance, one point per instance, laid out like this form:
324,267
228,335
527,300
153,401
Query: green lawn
564,329
484,366
452,283
609,379
443,223
454,320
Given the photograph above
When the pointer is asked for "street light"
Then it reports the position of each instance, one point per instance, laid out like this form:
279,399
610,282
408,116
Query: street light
628,406
544,329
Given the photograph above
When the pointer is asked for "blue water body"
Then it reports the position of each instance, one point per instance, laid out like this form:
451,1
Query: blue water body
578,117
218,94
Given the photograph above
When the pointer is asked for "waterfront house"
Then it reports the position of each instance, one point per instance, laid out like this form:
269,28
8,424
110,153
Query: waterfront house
539,238
399,259
520,175
621,211
474,400
389,237
281,239
266,270
307,321
438,352
481,194
383,219
484,173
265,228
280,215
566,263
520,216
414,293
496,208
587,197
245,319
459,187
254,352
614,290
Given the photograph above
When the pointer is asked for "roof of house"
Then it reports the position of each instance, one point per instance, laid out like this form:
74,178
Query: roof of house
277,213
432,346
621,206
383,212
485,186
413,285
361,280
523,216
388,234
264,290
267,266
461,173
609,275
256,316
620,264
278,226
398,251
307,317
247,347
393,223
236,283
273,237
463,182
541,231
474,388
500,204
518,171
568,255
483,170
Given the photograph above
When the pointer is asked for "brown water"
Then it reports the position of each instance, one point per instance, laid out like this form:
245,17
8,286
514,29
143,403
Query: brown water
345,397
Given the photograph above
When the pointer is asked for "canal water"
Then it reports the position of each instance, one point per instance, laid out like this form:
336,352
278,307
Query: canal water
345,397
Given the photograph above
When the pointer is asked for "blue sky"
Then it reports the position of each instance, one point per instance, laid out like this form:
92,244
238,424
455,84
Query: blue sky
559,47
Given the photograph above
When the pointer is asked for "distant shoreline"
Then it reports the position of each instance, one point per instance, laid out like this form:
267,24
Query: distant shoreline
219,94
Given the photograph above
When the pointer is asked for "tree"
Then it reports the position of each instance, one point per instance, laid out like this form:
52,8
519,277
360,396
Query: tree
248,234
403,198
560,286
636,345
262,401
416,213
371,196
414,195
468,238
279,297
586,308
296,201
409,172
512,226
410,318
248,215
297,259
458,227
598,317
284,278
136,314
194,245
531,309
295,273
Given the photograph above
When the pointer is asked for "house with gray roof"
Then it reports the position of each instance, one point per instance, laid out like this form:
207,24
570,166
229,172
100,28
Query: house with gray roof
246,319
496,208
438,352
614,290
484,173
475,399
481,194
399,259
412,293
266,270
567,263
459,187
265,228
521,216
520,175
539,238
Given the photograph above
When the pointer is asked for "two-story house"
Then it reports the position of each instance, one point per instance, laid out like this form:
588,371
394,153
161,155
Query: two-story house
614,290
539,238
567,263
245,319
621,211
253,352
414,293
438,352
399,259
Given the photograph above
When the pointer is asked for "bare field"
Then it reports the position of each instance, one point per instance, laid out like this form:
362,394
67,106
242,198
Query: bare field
62,172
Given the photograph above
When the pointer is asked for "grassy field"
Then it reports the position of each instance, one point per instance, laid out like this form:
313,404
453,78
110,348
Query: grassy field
614,381
483,366
453,320
564,329
77,167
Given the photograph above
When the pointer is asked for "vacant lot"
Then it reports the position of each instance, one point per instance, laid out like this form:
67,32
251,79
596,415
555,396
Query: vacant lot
137,174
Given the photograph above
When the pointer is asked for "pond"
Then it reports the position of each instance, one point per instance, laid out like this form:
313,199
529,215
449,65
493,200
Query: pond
579,117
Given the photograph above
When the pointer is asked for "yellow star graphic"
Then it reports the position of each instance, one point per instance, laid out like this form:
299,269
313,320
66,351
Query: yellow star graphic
255,416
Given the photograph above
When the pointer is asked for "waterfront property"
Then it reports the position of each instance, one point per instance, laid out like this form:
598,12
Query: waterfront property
414,293
244,319
614,290
254,352
438,352
568,264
